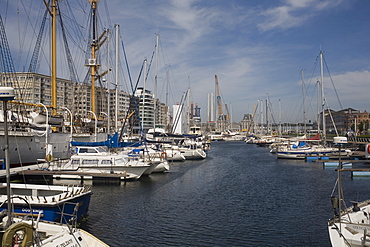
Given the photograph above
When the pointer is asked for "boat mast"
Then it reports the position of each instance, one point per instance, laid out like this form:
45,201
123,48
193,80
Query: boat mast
188,107
155,80
108,77
304,107
279,129
116,85
52,9
322,98
53,55
267,117
143,95
92,62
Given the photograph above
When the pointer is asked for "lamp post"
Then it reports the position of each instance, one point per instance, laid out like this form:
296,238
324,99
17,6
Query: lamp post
96,124
71,123
6,94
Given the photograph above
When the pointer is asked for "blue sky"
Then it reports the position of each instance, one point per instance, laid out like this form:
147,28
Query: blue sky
256,48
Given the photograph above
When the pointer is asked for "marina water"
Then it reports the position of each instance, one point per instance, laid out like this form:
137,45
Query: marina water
241,195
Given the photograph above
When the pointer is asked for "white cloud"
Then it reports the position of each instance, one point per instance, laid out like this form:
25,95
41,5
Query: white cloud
293,13
352,87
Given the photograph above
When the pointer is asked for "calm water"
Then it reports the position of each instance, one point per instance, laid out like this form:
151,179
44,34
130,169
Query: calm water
241,195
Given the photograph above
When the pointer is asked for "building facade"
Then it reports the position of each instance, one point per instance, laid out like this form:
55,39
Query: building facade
34,88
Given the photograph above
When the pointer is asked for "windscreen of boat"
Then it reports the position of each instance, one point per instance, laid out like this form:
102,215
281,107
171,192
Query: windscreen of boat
119,161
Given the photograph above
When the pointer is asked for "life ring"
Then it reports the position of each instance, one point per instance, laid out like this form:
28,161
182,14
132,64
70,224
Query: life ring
17,229
368,148
163,155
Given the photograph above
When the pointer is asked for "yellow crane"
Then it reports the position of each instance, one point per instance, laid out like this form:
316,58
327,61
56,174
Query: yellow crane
218,100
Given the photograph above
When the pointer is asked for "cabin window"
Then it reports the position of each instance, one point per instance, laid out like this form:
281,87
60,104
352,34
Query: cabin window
90,162
120,160
75,161
87,150
106,162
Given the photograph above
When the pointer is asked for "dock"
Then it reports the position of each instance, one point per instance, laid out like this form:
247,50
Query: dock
18,170
358,172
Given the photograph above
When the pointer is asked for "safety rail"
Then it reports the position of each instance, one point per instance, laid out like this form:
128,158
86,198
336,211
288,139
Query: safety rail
359,139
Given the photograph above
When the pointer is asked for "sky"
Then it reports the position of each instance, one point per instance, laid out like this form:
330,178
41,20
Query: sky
258,49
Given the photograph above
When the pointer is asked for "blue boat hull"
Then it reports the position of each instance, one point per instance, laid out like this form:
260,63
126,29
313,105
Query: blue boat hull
55,212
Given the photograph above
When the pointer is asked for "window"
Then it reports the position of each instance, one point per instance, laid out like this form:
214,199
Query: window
106,162
90,162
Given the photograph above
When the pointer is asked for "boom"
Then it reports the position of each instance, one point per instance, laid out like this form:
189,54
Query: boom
218,98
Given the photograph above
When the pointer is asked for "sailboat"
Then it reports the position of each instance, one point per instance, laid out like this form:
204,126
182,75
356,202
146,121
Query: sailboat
350,226
307,147
28,230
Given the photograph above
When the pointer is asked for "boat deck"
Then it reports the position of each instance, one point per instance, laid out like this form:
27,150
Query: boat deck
35,170
81,174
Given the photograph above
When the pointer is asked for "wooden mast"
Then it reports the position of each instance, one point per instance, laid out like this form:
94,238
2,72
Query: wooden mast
53,13
92,61
53,57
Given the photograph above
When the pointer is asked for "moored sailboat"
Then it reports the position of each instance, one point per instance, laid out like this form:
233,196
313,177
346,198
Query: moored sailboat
316,146
350,226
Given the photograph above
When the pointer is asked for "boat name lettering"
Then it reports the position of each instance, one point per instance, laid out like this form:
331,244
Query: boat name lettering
27,210
356,227
67,243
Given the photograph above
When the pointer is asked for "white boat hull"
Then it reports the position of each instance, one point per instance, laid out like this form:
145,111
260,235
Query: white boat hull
49,234
161,167
128,172
174,155
193,154
353,227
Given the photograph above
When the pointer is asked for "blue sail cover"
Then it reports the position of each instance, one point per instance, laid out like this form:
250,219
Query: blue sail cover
301,144
112,142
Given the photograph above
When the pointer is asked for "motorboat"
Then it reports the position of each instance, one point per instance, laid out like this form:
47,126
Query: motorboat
89,162
157,159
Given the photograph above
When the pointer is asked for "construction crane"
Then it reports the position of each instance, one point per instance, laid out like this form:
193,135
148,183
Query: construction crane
219,100
227,112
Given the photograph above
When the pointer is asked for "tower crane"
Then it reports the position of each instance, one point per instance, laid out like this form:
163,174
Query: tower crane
227,117
219,101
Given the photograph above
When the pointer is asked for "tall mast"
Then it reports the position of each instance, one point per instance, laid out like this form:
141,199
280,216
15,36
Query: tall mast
267,116
116,86
143,95
188,107
279,130
304,107
322,97
52,9
53,55
92,63
155,80
108,77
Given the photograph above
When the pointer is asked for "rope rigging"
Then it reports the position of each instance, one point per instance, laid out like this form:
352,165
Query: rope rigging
6,59
36,51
